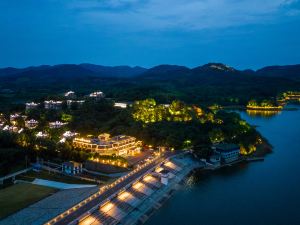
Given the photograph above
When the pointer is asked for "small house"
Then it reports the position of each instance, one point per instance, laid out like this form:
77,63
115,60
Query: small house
71,167
228,152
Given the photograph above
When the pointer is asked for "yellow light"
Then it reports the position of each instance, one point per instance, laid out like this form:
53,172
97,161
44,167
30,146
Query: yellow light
89,220
148,178
137,185
159,169
108,206
124,195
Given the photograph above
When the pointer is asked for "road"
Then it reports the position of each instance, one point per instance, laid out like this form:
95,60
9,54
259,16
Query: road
107,193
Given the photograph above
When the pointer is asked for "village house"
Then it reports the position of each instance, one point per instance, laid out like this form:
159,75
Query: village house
97,95
41,134
57,124
70,94
122,105
31,124
53,104
12,129
69,134
120,145
31,105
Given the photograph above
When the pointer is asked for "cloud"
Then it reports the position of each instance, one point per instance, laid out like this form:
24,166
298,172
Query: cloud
180,14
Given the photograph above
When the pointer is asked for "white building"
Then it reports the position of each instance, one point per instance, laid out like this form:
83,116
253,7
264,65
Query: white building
69,134
31,105
53,104
122,105
41,134
70,94
228,152
31,123
97,95
106,145
12,129
57,124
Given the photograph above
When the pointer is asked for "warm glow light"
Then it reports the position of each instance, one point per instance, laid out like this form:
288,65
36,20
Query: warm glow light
124,195
170,164
108,206
138,185
159,169
149,178
89,220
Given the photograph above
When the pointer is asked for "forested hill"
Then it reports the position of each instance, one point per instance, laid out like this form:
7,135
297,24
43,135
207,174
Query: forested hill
158,72
209,83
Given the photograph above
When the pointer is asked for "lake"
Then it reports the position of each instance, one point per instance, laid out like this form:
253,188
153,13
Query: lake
259,193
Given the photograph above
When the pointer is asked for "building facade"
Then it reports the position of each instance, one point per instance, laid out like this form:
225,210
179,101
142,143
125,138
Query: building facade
71,168
53,104
97,95
31,105
31,124
70,94
122,105
56,124
228,152
120,145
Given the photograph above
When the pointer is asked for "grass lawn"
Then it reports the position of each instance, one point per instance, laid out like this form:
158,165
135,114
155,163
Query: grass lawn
19,196
30,176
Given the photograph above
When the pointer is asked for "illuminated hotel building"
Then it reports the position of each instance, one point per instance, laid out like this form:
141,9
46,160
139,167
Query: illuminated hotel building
120,145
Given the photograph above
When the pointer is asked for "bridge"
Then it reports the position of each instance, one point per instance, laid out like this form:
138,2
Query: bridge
106,193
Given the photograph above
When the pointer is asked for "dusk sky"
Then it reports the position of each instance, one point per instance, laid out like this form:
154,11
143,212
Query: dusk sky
240,33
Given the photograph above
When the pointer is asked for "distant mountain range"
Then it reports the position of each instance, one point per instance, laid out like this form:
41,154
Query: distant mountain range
206,84
163,72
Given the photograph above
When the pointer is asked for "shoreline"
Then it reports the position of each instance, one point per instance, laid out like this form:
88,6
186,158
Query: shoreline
245,108
262,151
160,197
137,208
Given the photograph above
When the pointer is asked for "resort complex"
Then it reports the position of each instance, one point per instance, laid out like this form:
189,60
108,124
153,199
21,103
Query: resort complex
121,145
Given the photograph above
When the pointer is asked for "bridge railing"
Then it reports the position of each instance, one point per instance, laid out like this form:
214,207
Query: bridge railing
92,197
103,189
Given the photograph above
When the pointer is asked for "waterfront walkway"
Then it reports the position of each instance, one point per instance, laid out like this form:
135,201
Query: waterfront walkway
137,203
97,199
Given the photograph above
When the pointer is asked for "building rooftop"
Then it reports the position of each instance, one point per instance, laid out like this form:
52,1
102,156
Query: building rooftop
225,147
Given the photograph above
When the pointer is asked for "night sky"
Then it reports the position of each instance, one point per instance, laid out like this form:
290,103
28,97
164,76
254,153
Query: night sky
240,33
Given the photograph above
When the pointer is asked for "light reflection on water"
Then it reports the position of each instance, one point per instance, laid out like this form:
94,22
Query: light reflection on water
190,181
263,113
259,193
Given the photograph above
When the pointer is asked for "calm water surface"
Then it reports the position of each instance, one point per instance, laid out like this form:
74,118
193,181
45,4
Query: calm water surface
257,193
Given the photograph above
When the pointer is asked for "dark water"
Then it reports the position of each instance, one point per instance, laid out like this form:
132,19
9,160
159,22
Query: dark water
257,193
